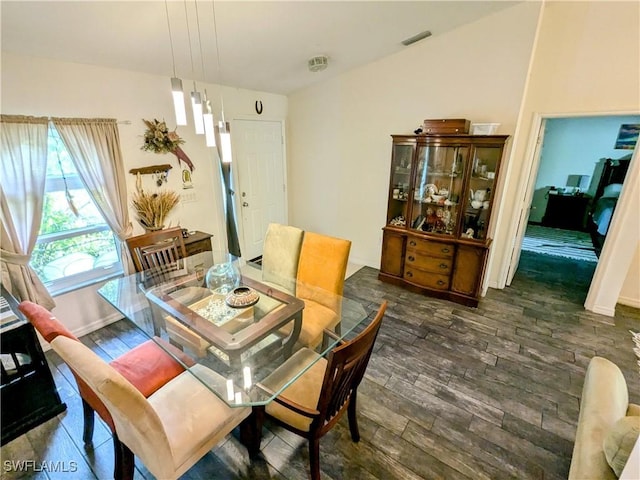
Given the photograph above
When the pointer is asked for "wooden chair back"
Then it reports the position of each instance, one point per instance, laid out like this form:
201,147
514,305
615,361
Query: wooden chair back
157,250
346,366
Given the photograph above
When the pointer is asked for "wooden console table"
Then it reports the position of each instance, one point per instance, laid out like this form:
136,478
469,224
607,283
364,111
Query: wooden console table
198,242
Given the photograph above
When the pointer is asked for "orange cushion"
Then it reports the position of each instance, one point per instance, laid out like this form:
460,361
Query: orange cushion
148,366
44,322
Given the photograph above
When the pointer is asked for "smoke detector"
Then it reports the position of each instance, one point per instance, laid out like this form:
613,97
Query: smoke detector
318,63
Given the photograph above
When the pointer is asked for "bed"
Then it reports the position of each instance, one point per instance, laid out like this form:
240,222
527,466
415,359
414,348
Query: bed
605,199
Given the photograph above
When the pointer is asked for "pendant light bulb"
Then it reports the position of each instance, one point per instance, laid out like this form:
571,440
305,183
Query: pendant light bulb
178,101
196,105
225,143
209,125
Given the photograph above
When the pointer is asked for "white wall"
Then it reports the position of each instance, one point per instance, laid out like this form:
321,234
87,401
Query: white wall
586,61
41,87
339,131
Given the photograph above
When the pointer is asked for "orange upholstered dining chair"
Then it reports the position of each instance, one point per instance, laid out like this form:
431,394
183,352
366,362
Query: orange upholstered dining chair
148,367
171,429
315,401
320,283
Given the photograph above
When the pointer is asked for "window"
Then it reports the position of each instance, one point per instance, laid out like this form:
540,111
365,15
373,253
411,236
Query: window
75,246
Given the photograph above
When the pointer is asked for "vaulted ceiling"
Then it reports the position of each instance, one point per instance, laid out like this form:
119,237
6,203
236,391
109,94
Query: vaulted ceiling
262,45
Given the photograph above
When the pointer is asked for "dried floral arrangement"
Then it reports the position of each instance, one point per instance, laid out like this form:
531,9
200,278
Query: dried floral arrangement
153,208
158,139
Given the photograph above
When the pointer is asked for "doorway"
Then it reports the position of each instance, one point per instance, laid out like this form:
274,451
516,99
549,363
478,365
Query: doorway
565,174
259,154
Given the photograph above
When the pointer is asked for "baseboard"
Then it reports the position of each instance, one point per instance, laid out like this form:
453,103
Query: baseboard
609,312
629,302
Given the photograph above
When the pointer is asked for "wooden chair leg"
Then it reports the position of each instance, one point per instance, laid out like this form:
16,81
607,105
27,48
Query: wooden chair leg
89,418
124,462
353,419
314,458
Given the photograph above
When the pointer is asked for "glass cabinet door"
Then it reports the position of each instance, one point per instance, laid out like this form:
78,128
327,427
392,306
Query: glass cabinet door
401,164
438,188
481,192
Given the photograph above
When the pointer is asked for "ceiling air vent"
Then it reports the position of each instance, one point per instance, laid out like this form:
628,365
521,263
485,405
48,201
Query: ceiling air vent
318,63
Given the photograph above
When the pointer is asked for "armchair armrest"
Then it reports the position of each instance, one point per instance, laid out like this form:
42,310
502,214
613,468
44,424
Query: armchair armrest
290,404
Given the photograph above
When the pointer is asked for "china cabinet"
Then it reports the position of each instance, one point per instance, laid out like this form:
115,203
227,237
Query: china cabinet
441,194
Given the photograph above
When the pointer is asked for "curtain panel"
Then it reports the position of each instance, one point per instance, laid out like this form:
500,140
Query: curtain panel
94,145
23,169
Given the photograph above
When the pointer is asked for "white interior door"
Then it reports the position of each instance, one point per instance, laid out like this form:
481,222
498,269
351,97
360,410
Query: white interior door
526,204
261,193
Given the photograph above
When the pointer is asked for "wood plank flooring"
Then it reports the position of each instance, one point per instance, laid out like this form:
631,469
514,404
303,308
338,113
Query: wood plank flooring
451,392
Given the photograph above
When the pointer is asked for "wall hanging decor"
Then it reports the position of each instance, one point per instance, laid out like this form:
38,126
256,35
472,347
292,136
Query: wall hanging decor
158,139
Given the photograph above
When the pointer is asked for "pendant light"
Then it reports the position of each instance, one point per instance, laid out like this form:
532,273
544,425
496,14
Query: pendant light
209,122
176,84
207,110
196,98
223,127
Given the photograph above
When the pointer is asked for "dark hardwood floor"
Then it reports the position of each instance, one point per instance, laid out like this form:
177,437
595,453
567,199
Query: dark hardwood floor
451,392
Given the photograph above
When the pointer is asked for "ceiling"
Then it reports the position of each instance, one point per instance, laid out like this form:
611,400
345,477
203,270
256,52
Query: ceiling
263,45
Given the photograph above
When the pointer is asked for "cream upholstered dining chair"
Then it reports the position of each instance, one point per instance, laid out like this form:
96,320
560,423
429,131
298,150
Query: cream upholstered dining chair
314,402
157,249
147,367
169,431
280,255
320,283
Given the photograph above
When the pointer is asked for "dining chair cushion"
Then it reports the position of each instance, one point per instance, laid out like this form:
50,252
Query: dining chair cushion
172,429
147,366
304,391
315,317
188,422
280,256
47,325
322,268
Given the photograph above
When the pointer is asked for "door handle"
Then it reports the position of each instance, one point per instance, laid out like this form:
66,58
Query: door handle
245,204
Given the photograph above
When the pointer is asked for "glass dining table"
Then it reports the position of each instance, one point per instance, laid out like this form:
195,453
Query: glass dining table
241,346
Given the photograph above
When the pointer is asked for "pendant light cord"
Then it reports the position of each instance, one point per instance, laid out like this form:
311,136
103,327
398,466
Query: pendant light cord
186,15
173,59
215,32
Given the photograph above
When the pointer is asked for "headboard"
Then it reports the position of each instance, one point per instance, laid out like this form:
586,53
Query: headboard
613,171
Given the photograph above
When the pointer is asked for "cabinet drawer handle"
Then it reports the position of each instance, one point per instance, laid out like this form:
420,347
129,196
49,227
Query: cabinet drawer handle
411,258
444,266
409,274
440,282
445,250
412,243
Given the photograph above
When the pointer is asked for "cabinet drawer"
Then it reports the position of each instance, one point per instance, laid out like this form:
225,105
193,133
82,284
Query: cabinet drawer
430,264
428,247
426,279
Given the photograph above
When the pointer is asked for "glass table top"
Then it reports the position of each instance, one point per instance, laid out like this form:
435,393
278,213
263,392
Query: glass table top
238,346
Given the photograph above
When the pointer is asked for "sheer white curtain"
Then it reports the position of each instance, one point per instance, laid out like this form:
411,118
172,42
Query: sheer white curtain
94,146
23,169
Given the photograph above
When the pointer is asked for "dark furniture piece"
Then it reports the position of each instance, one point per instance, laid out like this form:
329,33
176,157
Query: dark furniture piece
441,194
153,249
568,212
28,394
605,199
198,242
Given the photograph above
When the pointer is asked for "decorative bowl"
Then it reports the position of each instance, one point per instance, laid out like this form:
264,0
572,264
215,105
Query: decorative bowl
437,198
242,297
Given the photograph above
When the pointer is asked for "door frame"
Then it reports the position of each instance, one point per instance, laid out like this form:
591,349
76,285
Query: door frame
616,254
236,179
